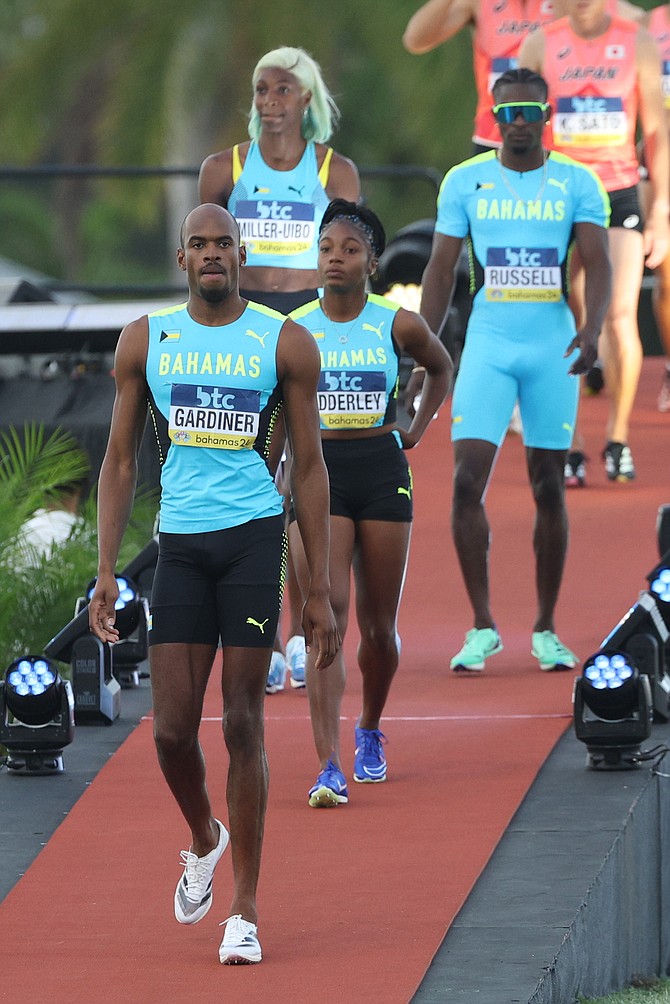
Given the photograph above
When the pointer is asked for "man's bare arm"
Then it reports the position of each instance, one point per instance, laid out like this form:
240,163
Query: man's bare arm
118,474
436,22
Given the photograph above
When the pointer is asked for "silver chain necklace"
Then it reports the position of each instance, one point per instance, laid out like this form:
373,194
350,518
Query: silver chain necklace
509,186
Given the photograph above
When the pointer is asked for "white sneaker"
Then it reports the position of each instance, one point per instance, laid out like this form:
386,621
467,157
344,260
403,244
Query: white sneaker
240,945
276,674
296,657
193,896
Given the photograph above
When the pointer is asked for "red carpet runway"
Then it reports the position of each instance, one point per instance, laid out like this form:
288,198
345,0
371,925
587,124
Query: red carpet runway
353,901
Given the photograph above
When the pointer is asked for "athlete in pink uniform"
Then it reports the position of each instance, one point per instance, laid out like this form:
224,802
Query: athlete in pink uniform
657,21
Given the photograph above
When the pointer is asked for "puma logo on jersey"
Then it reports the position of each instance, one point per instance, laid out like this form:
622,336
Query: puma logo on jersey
259,338
298,191
255,623
563,185
404,491
371,327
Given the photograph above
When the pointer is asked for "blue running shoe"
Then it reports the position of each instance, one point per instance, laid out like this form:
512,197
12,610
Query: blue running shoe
276,674
329,789
369,759
295,657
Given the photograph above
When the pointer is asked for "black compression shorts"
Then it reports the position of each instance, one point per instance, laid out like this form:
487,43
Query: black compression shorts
224,585
277,300
369,479
626,211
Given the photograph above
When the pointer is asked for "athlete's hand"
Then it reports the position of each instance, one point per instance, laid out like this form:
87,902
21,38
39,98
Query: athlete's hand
413,389
656,237
587,344
320,627
101,612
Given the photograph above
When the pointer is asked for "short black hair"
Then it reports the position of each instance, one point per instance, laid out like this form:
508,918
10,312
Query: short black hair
522,75
360,216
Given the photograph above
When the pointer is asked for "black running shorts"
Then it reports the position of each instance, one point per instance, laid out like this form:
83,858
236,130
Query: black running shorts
626,211
225,585
277,300
369,479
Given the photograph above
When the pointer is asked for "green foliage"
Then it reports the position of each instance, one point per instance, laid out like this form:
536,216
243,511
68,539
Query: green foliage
642,991
118,246
165,83
38,592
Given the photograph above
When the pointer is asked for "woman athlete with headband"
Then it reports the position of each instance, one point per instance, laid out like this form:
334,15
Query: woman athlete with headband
361,337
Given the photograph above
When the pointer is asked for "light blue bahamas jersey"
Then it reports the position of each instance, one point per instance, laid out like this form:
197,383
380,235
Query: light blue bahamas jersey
279,212
358,385
213,403
519,228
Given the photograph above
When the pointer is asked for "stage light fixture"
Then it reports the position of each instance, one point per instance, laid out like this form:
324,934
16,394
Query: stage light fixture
127,606
132,621
97,675
613,710
95,683
643,634
36,715
659,587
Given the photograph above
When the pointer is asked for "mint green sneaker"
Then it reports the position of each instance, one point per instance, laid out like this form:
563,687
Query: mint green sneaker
551,653
480,643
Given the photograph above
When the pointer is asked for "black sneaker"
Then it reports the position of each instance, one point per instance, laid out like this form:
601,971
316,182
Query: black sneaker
594,380
575,469
619,464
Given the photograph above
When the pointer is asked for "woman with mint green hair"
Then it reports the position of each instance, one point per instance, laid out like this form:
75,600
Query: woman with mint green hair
278,185
322,114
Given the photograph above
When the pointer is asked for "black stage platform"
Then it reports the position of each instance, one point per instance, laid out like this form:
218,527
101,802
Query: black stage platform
574,896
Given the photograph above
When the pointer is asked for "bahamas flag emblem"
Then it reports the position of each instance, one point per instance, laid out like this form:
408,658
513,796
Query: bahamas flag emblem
170,336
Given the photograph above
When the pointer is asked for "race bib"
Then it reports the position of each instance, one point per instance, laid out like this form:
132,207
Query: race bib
589,121
224,418
665,82
351,399
498,67
273,227
515,275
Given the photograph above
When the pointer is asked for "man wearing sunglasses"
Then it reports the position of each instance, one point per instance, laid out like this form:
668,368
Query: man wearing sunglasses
604,80
519,209
499,28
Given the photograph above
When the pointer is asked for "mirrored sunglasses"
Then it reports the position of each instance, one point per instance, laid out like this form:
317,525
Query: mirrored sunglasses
530,111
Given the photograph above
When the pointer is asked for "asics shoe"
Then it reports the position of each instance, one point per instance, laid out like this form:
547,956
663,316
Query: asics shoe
276,673
369,759
575,469
663,403
329,789
296,656
480,643
551,653
619,464
193,896
240,945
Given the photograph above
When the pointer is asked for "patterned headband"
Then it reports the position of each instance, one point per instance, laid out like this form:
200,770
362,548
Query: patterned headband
357,222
